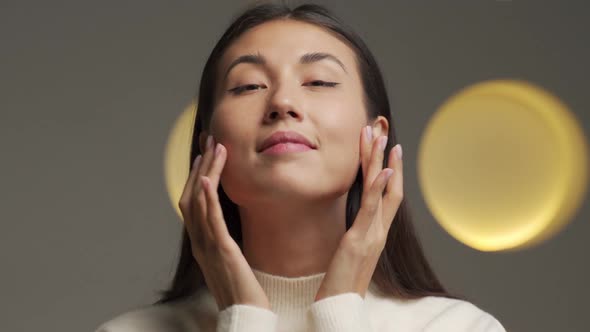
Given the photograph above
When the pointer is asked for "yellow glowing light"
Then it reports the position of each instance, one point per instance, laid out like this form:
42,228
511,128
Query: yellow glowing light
503,165
177,154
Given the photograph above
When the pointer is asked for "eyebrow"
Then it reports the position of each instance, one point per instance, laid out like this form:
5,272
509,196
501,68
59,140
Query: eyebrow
307,58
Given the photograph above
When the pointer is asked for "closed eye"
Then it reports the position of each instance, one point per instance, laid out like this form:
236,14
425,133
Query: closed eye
242,88
322,83
238,90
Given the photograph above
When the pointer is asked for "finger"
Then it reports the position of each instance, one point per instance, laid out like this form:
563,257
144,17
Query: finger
187,193
394,190
208,156
376,163
371,202
217,164
200,202
191,210
365,147
215,218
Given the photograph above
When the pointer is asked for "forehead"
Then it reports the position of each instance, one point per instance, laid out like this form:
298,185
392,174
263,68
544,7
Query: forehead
285,40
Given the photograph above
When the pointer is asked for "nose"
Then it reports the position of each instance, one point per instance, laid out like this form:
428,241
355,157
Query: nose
281,106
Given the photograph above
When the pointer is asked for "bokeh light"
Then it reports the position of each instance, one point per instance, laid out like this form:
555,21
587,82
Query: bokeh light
503,165
177,154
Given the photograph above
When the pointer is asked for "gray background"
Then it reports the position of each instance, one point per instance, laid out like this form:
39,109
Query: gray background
89,91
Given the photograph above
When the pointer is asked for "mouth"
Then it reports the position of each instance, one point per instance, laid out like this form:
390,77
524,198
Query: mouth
288,140
286,147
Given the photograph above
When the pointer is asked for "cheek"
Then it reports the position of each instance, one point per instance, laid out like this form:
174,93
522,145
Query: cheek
345,113
238,137
236,176
234,132
341,127
340,132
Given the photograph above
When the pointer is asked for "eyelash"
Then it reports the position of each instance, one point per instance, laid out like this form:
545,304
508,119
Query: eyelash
238,90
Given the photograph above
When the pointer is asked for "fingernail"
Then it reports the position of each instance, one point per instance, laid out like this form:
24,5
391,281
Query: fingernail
217,149
382,142
209,142
369,133
388,173
204,182
398,151
197,161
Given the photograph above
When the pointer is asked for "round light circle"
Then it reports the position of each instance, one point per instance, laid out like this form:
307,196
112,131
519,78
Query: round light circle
503,165
177,154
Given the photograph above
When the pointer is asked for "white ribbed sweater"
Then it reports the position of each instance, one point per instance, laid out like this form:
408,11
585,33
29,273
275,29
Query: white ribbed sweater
294,310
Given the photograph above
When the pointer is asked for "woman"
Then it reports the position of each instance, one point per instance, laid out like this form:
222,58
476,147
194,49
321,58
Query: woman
294,212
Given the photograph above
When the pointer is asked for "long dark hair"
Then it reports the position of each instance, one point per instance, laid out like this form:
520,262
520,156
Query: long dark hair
402,270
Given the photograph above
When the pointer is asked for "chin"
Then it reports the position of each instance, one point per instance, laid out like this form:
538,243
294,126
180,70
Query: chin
282,183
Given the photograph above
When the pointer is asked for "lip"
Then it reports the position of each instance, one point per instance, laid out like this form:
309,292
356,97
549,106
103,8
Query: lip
279,137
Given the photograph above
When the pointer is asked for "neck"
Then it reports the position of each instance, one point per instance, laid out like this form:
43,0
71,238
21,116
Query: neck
293,240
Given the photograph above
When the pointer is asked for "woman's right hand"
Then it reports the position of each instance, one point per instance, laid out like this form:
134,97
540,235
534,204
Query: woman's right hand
228,275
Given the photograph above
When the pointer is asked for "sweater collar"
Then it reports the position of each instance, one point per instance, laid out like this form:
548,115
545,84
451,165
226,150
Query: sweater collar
289,293
285,294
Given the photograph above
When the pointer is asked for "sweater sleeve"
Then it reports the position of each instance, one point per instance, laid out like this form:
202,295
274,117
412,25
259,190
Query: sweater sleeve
464,317
340,313
246,318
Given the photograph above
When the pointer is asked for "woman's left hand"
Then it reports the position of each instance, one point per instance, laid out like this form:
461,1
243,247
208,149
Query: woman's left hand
356,257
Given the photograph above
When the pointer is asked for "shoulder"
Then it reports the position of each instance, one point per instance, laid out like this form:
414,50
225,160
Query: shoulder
461,316
433,313
148,319
188,315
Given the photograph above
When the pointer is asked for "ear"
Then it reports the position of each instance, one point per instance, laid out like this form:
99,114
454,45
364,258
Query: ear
203,141
380,126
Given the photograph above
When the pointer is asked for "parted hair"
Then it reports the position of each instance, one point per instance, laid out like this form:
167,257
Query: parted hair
402,270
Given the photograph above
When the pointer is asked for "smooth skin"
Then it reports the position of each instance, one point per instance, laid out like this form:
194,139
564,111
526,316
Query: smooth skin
354,263
228,275
352,267
294,198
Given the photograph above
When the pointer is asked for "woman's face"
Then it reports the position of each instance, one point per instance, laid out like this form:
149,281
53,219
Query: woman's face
282,94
